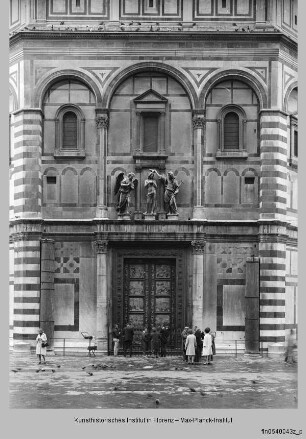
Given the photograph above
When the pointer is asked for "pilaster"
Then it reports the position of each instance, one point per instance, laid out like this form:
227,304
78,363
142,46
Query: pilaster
198,122
102,297
272,253
27,163
47,290
198,283
102,123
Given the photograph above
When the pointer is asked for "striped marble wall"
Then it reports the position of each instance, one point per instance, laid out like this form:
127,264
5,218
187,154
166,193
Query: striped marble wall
273,153
27,163
26,286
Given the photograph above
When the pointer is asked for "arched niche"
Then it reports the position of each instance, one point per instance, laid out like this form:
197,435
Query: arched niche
231,187
87,193
212,190
69,187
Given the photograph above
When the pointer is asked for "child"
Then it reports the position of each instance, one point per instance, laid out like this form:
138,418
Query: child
207,346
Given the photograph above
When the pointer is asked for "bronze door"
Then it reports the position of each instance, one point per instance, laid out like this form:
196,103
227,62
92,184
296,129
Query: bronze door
149,295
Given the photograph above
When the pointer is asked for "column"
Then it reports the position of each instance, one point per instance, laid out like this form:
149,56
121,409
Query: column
198,283
27,163
102,300
47,290
102,122
272,253
26,287
198,128
252,344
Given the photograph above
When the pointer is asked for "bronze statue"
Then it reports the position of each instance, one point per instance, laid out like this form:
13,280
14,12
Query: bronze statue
124,185
151,186
171,190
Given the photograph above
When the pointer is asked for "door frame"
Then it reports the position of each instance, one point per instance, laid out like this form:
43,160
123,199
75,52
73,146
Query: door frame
149,251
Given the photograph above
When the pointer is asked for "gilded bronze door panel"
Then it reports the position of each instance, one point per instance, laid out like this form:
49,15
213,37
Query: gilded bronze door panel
149,295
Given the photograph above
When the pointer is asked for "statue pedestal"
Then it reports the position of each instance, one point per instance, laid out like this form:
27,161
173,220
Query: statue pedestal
162,216
138,215
125,216
172,216
149,216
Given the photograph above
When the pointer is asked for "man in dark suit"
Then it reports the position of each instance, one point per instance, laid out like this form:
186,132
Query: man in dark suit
128,334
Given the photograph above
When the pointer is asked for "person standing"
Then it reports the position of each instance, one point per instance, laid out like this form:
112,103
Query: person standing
145,338
41,346
116,339
128,334
164,334
155,341
190,345
289,358
184,336
213,346
207,346
198,336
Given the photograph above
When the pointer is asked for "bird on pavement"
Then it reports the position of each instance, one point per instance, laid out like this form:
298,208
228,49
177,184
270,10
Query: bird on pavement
192,389
90,374
157,402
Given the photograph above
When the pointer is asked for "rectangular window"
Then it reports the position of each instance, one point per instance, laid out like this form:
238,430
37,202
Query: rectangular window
295,20
223,3
150,132
151,3
249,180
77,3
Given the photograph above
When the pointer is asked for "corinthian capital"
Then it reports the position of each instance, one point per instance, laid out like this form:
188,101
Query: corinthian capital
102,121
198,247
101,246
198,121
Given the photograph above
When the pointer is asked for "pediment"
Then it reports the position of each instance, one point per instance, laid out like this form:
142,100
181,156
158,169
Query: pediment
150,96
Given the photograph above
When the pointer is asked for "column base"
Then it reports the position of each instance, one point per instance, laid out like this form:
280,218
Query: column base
198,213
172,216
102,346
101,212
149,216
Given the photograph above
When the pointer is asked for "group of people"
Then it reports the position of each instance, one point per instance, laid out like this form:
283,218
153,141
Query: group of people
197,344
154,342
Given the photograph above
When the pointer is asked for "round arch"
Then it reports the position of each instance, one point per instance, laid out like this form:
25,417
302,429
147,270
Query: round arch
290,88
240,75
45,82
150,66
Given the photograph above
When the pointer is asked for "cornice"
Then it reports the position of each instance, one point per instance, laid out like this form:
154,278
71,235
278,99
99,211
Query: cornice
162,35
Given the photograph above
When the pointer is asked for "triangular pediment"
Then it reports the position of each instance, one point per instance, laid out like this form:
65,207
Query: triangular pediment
150,96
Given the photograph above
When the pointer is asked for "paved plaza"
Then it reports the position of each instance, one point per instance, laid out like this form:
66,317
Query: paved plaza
82,382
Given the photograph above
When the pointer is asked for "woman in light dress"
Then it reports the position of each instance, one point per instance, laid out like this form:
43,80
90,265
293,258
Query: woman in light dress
190,345
207,346
40,350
